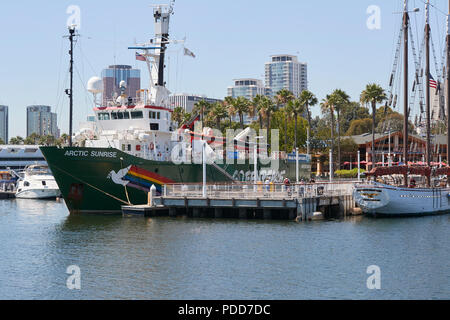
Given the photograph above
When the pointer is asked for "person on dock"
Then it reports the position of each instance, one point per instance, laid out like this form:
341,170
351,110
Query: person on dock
287,185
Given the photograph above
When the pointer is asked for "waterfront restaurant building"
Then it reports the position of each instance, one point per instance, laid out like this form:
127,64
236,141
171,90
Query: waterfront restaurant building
416,145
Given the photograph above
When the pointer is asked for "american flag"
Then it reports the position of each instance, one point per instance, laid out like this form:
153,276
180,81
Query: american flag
140,57
433,83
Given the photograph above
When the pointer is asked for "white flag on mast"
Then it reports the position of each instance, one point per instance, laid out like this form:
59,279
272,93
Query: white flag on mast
188,52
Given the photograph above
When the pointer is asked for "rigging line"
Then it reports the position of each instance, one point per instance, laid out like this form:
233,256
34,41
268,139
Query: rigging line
83,56
59,71
435,7
84,76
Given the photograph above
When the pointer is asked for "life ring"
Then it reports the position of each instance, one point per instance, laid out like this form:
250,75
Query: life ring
152,146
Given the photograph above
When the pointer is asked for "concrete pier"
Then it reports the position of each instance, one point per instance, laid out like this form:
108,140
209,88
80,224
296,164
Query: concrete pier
298,203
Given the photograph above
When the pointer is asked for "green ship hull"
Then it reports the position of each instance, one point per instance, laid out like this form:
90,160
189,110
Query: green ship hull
101,180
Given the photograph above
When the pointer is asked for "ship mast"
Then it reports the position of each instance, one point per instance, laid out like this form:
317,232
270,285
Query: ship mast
69,92
405,85
427,86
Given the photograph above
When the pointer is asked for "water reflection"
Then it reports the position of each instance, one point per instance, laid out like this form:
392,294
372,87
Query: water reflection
181,258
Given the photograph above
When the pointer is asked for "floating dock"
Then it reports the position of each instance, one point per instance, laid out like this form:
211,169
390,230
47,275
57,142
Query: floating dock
7,195
299,202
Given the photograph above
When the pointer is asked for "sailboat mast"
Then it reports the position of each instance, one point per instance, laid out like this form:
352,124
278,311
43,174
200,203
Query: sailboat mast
427,85
405,84
448,84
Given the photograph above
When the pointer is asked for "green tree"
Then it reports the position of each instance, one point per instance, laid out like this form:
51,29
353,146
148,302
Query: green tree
241,106
178,115
268,108
282,98
202,107
217,113
359,126
327,107
229,102
373,94
16,140
353,111
296,107
32,139
340,101
308,99
2,142
256,108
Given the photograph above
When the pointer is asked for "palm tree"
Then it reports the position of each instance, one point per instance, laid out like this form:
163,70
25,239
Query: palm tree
32,139
255,108
266,109
327,107
217,113
178,115
295,107
308,99
229,102
340,100
373,94
241,106
16,140
283,97
202,107
65,138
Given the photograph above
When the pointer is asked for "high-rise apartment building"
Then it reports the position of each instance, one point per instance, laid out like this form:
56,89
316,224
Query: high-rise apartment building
113,75
285,72
42,121
248,88
4,123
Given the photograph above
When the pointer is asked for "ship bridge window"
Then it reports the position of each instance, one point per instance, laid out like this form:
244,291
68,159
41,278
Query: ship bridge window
154,115
137,115
114,116
154,126
103,116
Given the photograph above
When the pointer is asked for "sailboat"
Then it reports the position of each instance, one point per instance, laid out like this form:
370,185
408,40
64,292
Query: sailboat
380,199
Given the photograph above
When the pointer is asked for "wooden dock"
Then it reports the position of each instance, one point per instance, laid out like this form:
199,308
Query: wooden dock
7,195
296,202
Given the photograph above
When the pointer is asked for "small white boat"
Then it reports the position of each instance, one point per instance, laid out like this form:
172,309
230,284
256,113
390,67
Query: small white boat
37,183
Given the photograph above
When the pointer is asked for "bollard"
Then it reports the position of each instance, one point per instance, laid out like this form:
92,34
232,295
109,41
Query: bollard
151,195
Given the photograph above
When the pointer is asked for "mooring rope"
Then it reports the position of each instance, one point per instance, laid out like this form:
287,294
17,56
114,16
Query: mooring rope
94,187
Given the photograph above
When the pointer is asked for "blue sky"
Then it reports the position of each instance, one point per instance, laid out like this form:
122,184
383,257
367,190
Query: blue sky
231,39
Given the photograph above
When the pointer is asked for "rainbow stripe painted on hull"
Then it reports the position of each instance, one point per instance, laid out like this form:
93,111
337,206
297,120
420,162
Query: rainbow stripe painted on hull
143,180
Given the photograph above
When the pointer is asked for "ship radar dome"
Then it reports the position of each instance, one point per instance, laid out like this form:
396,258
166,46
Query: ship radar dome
95,85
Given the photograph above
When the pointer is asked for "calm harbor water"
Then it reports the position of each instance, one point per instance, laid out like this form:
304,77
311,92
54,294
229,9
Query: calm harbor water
217,259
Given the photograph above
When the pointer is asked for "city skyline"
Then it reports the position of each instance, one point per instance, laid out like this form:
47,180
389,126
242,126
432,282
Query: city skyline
347,55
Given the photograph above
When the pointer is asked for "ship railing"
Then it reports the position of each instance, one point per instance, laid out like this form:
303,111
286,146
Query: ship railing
259,190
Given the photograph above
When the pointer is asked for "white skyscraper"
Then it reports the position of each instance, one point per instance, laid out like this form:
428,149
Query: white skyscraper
285,72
